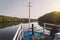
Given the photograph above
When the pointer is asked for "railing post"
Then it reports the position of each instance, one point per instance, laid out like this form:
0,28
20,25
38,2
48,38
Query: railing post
44,30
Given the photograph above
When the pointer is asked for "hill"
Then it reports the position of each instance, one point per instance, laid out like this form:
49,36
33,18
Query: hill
52,17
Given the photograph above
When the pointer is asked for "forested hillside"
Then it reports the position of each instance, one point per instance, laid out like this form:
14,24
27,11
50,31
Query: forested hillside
5,19
52,17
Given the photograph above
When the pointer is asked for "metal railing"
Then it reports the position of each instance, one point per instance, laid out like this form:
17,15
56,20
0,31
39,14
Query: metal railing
19,34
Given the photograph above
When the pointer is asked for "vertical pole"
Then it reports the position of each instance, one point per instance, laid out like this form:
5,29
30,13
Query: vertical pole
43,29
33,37
43,32
32,30
29,13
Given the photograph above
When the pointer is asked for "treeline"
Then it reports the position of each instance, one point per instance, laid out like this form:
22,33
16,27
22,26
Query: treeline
52,17
26,20
6,19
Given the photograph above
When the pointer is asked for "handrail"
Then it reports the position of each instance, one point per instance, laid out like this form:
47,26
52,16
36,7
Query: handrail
51,24
18,33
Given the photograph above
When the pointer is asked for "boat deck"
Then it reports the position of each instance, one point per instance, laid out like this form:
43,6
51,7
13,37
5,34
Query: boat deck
28,35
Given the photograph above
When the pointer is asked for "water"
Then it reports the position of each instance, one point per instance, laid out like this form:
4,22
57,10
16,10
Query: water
9,32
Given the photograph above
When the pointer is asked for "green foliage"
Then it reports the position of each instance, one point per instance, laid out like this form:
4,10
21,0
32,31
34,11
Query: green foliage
52,17
6,19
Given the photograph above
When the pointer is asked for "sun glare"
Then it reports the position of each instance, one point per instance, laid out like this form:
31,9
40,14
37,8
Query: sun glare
55,5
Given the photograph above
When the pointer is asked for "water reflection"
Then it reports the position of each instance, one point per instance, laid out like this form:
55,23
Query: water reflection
8,32
3,25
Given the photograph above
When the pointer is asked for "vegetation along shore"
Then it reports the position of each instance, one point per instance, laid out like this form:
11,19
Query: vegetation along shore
6,21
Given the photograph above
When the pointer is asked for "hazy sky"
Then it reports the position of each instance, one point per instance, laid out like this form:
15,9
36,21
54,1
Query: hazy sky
19,8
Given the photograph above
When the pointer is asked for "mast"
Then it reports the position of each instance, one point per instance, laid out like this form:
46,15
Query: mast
29,12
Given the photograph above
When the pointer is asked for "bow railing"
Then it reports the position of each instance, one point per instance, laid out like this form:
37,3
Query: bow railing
19,34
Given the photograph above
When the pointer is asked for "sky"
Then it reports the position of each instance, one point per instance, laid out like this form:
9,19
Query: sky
19,8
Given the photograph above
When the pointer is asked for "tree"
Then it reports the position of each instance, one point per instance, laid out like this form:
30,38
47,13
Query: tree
52,17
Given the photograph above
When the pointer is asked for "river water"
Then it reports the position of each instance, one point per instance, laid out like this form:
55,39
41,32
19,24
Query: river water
9,32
